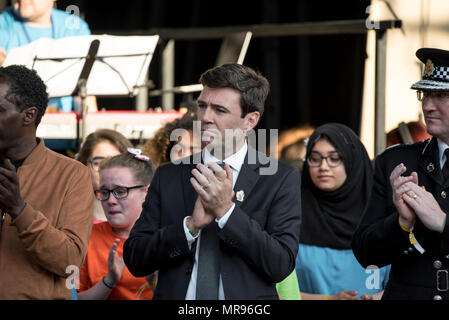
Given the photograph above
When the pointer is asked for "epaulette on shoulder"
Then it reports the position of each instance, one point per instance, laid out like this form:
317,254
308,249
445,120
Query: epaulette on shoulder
418,144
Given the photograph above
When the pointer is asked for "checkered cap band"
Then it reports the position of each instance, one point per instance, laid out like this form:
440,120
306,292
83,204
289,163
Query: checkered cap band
439,74
431,85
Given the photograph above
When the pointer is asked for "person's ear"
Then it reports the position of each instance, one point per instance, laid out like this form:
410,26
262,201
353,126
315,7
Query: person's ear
251,120
29,116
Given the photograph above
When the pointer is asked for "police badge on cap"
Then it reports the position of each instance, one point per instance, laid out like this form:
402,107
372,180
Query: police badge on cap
436,71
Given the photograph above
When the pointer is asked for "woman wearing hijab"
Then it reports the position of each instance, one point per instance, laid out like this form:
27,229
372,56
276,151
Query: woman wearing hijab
335,186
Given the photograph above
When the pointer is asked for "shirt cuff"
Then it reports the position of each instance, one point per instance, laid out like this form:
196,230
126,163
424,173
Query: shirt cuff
222,221
189,237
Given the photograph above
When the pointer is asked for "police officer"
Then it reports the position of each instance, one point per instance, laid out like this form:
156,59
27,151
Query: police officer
405,222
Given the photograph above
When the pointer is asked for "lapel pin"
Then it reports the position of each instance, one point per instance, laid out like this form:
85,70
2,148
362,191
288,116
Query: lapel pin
430,167
240,195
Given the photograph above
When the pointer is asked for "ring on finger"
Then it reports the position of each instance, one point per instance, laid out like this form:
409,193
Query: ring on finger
206,186
414,196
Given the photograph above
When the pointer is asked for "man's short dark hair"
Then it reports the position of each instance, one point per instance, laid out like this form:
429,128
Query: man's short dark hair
252,85
26,89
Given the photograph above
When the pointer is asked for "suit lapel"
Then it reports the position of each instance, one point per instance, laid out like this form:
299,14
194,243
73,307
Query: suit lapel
430,162
246,180
189,193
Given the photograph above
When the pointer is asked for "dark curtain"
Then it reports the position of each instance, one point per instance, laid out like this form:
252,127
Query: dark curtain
314,79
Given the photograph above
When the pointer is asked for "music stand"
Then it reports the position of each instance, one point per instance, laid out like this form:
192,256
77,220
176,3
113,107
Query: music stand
232,50
118,69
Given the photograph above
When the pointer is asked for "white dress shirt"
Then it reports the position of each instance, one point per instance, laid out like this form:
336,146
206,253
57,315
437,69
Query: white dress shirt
235,161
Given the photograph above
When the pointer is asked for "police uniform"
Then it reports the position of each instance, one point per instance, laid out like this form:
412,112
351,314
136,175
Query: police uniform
419,259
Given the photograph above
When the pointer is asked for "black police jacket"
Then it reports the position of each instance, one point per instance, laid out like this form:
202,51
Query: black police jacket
379,240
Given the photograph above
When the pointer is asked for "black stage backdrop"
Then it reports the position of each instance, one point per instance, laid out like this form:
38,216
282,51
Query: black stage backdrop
314,79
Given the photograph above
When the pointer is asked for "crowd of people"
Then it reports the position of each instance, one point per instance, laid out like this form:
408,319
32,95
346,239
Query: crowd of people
202,217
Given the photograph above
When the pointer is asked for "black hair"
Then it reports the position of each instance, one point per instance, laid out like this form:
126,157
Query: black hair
26,89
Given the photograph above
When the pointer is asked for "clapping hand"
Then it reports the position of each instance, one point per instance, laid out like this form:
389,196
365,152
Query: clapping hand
413,200
398,184
116,265
425,206
214,187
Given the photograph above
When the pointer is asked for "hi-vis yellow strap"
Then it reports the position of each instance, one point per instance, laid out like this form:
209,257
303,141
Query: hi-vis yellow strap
412,238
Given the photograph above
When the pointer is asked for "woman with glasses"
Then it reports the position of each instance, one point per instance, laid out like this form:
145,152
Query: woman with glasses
124,181
335,185
97,146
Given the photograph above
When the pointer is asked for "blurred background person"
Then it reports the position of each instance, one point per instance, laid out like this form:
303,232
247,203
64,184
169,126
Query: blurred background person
294,154
160,147
405,133
26,21
124,181
291,136
335,188
99,145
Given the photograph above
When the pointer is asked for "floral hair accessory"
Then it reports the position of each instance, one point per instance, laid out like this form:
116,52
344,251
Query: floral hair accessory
137,153
306,141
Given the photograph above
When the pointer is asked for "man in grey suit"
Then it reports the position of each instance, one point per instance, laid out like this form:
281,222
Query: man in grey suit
220,232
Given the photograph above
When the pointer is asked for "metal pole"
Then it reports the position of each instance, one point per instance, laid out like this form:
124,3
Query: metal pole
142,98
380,138
168,75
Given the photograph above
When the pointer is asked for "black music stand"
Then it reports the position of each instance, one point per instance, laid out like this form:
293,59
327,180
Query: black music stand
81,90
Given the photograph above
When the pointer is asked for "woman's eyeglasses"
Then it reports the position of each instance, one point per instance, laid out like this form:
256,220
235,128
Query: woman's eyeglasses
315,159
118,192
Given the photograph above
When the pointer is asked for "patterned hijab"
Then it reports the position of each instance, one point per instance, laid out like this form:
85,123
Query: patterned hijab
330,218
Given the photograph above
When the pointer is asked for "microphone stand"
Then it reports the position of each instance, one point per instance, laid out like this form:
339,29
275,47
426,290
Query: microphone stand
81,90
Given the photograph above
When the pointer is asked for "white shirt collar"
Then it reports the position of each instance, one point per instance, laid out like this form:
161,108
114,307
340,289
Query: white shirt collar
235,160
441,147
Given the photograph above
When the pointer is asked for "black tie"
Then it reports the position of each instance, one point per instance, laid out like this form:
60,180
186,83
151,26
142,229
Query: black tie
446,165
208,264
